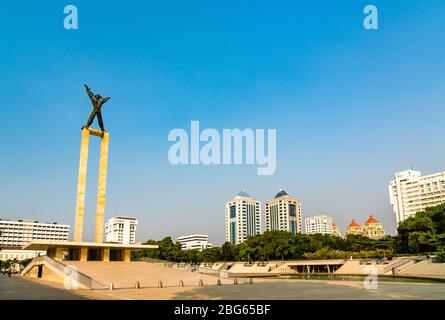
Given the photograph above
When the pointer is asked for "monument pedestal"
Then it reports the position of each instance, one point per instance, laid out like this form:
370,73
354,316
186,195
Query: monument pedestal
82,181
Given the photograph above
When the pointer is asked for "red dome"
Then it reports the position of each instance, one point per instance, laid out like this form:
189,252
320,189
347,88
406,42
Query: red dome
371,219
353,224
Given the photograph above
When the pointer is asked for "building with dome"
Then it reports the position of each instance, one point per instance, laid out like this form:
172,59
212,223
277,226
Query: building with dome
243,218
373,228
283,213
354,228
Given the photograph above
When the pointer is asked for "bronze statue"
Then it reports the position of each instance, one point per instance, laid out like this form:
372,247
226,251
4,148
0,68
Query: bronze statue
98,102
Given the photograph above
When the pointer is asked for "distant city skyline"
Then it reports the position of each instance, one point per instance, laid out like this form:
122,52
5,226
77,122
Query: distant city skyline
350,106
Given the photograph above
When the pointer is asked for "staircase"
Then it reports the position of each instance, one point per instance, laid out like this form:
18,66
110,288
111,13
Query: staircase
62,272
402,264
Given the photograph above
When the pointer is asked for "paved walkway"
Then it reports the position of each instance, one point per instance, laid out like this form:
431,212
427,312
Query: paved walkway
24,288
126,274
314,289
18,288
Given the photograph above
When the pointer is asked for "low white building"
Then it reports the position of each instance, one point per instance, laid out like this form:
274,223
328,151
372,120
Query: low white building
121,230
318,224
20,232
11,254
194,242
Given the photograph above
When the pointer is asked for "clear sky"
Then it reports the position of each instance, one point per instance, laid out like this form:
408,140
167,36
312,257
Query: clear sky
350,106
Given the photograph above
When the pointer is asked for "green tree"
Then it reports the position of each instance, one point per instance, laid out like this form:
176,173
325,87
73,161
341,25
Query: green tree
422,232
209,255
228,252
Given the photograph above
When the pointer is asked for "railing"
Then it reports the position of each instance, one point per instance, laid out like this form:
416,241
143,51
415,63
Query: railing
402,262
277,265
151,260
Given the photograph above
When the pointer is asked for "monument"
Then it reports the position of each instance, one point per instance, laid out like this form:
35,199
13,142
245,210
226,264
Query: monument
97,102
78,249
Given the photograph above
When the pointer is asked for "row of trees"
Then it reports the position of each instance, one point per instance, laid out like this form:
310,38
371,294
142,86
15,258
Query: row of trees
14,264
420,234
275,245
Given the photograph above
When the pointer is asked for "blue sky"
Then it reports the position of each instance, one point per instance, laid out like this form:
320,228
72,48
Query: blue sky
350,106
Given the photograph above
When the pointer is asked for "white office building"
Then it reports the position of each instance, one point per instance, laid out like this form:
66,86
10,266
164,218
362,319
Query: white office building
410,192
121,230
20,232
318,224
194,242
11,254
243,218
283,213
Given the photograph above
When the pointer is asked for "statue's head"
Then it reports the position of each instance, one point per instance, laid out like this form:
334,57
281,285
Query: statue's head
98,96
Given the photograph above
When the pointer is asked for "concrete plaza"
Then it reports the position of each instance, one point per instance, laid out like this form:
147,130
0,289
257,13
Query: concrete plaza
24,288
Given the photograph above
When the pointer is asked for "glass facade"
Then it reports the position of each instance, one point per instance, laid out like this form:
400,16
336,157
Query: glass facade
274,218
293,227
232,212
292,210
233,232
251,220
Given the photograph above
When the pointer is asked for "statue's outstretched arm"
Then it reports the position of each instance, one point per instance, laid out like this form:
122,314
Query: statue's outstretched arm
90,94
106,99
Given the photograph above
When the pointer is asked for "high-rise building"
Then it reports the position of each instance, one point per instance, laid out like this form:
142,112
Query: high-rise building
410,192
243,218
20,232
194,242
318,224
283,213
121,230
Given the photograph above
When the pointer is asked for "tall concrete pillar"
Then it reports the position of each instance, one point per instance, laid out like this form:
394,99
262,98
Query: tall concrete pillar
101,188
81,186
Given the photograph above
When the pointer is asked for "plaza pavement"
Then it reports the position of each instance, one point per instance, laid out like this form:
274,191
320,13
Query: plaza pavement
263,289
125,275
